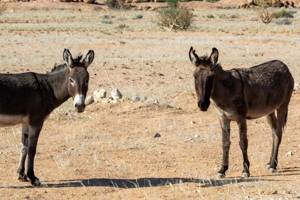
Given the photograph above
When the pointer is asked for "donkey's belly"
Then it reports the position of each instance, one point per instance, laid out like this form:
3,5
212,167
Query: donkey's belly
257,113
10,120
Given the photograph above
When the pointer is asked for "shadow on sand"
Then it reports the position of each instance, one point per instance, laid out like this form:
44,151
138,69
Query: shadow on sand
141,182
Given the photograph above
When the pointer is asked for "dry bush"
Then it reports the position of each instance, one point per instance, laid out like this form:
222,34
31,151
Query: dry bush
175,18
115,4
265,16
3,8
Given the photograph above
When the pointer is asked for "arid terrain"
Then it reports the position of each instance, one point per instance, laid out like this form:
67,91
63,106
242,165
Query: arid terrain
109,151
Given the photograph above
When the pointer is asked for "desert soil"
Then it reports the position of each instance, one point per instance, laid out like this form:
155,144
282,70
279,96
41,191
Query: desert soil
109,151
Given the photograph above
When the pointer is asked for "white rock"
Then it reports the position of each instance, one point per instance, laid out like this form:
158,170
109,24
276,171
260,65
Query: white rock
289,153
116,94
135,98
89,100
99,94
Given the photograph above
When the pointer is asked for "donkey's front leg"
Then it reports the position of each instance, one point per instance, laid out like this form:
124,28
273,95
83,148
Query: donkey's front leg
225,125
33,136
24,151
244,146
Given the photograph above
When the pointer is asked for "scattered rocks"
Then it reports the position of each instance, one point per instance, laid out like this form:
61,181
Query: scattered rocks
135,98
89,100
99,94
116,94
152,101
296,86
157,135
289,153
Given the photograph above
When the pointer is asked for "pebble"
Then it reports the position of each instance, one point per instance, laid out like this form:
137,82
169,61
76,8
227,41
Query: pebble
135,98
89,100
116,94
289,153
157,135
99,94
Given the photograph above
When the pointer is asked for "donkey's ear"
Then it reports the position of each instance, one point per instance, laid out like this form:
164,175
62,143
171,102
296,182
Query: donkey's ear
68,58
214,56
194,58
89,58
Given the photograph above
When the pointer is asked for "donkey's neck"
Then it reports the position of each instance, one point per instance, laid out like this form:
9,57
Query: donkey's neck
222,84
59,84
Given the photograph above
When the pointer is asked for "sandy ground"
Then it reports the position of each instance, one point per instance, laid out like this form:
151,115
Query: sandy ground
109,151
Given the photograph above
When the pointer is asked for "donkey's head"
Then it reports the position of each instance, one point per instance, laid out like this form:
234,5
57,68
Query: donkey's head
204,73
78,78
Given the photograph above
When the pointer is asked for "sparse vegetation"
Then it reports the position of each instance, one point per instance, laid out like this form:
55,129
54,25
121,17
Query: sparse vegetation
138,16
106,19
283,13
115,4
174,17
284,21
212,1
2,8
210,16
265,16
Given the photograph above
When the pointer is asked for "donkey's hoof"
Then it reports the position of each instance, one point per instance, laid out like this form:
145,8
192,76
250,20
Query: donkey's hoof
36,182
245,175
23,178
221,175
272,170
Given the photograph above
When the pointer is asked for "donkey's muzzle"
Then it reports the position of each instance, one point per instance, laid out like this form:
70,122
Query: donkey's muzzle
79,108
79,103
203,105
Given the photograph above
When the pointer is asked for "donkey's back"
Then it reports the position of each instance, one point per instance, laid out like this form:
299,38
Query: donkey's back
267,87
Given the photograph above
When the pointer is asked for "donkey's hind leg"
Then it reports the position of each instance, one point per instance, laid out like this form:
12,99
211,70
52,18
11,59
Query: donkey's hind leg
272,121
281,121
23,154
244,146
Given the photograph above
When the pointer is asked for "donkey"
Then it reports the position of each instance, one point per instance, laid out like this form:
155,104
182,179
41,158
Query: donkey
241,94
28,99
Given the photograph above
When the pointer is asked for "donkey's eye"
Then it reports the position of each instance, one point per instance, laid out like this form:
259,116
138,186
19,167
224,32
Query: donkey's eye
72,81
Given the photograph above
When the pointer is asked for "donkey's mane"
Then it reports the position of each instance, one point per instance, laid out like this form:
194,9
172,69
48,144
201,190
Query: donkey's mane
61,67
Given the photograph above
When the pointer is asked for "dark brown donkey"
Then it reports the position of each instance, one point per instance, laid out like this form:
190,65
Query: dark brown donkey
28,98
241,94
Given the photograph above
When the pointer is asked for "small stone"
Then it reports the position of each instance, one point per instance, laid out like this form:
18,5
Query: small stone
289,153
99,94
89,100
193,122
105,101
157,135
296,87
116,94
135,98
275,192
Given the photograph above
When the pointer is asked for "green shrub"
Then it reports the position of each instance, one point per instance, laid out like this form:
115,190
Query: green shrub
283,13
212,1
115,4
210,16
138,16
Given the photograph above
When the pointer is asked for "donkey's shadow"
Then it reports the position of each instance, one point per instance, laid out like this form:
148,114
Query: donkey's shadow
142,182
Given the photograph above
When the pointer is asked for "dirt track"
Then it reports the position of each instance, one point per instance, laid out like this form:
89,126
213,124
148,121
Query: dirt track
109,151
